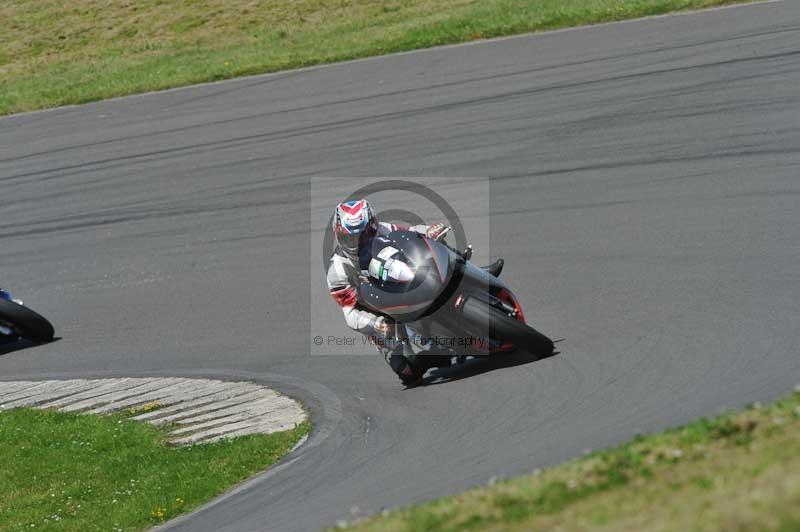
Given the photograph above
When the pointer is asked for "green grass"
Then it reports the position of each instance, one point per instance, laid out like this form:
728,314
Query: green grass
738,472
56,52
65,471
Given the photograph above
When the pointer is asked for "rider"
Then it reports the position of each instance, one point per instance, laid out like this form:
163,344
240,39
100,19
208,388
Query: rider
6,296
354,225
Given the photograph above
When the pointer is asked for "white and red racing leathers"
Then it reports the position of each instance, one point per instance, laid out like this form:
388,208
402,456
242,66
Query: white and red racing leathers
344,277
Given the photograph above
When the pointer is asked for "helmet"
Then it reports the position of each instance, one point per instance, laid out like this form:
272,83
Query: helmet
352,221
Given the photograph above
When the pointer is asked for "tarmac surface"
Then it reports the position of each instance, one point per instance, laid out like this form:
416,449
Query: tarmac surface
644,190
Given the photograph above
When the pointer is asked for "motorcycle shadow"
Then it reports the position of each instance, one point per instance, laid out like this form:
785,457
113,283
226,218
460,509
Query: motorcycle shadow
476,366
9,346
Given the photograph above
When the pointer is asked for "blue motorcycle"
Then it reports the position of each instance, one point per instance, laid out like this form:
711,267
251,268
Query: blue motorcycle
18,321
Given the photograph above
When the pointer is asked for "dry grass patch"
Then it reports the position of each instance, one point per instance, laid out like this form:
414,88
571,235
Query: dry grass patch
739,472
55,52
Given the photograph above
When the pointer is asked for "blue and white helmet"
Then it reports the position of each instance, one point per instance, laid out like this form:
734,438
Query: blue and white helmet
351,220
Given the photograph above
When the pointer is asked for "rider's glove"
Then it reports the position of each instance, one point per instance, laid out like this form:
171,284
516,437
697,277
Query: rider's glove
384,327
437,231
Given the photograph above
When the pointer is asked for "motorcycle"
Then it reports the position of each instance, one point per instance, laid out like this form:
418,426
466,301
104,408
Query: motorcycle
444,300
18,321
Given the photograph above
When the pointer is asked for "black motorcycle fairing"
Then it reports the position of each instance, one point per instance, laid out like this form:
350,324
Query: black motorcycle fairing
431,264
443,297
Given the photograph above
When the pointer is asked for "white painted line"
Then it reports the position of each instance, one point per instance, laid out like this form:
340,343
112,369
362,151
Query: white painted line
208,407
197,396
48,393
215,432
25,392
216,423
96,388
258,407
276,425
132,392
202,410
156,395
13,387
110,393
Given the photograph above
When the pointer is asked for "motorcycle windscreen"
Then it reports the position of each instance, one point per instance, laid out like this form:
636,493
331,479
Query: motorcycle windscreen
403,301
406,274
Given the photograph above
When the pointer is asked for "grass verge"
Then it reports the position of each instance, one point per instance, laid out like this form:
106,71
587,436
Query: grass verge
55,52
738,472
66,471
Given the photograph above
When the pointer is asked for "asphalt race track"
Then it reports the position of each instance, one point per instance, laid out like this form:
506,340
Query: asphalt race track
645,194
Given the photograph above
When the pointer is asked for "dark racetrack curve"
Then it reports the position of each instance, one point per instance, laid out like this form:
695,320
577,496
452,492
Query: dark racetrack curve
645,193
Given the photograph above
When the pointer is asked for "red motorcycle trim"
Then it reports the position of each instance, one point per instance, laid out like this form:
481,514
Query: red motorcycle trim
507,297
345,297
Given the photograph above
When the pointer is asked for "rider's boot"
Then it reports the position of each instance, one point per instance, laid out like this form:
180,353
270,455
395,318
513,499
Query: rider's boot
495,268
409,371
433,360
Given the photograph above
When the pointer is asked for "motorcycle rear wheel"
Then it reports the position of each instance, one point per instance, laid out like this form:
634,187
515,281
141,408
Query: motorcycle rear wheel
501,326
25,322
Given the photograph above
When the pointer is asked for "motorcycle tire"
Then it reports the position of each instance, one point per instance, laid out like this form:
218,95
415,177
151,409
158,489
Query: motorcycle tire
25,322
482,316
